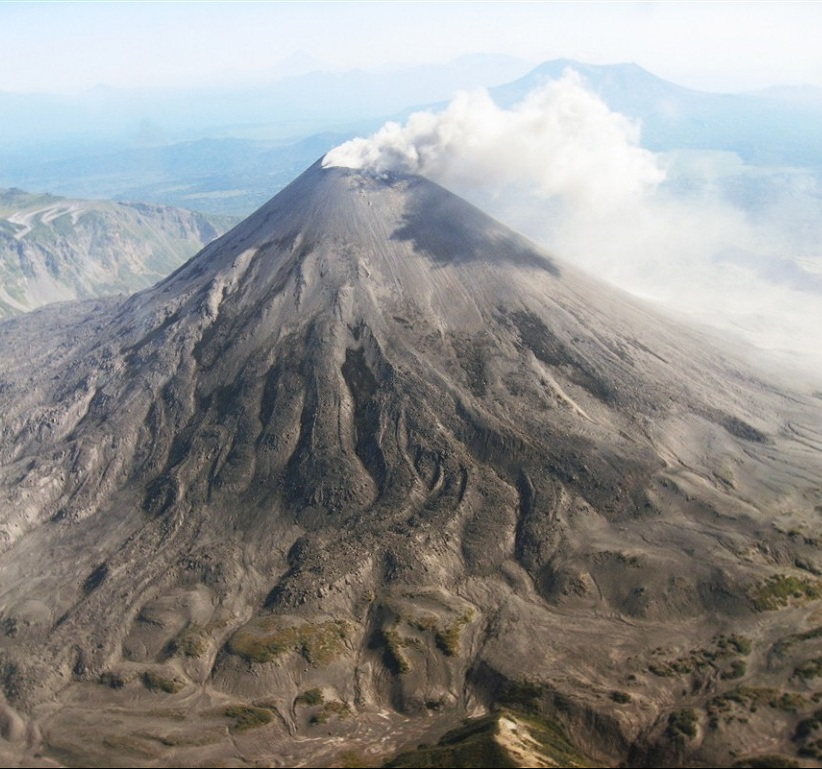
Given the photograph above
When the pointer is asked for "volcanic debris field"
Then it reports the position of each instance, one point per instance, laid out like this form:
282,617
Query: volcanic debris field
373,479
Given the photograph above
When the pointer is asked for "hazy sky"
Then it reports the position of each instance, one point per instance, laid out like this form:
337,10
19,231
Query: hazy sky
59,46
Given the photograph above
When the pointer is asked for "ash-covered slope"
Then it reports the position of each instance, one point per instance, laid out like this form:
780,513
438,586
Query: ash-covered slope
371,463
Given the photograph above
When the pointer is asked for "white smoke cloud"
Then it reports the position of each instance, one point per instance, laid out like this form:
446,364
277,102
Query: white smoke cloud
751,269
565,170
560,140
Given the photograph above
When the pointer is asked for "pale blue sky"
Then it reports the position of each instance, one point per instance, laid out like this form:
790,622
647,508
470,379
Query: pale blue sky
59,46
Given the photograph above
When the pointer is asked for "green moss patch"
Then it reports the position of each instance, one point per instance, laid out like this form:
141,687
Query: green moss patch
310,698
132,746
809,669
155,682
620,697
735,643
191,642
737,669
720,657
783,590
448,638
682,725
523,696
329,710
265,640
247,717
393,643
352,759
478,743
750,699
807,735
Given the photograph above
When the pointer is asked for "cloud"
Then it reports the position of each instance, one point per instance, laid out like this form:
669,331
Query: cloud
560,140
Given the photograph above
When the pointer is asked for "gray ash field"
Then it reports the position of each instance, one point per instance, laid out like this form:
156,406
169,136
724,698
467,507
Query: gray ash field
371,464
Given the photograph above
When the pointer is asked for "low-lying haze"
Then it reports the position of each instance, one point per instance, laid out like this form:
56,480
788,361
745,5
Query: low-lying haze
718,46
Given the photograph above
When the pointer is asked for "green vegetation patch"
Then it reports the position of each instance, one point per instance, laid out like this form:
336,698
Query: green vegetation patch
620,697
750,699
737,669
471,745
448,638
735,643
697,661
720,657
395,657
682,725
783,590
155,682
807,734
522,696
353,759
809,669
807,726
191,642
310,698
329,710
553,741
424,624
133,746
477,744
247,717
264,641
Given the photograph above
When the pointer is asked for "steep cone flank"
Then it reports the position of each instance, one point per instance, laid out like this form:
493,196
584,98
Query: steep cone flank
373,442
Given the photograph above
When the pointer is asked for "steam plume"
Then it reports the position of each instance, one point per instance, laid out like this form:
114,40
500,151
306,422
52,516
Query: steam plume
560,140
564,169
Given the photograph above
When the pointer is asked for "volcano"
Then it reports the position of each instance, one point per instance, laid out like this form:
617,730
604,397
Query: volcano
372,464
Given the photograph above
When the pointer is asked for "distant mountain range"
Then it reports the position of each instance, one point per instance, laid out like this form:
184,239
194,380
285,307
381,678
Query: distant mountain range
54,248
775,127
224,176
287,107
227,151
